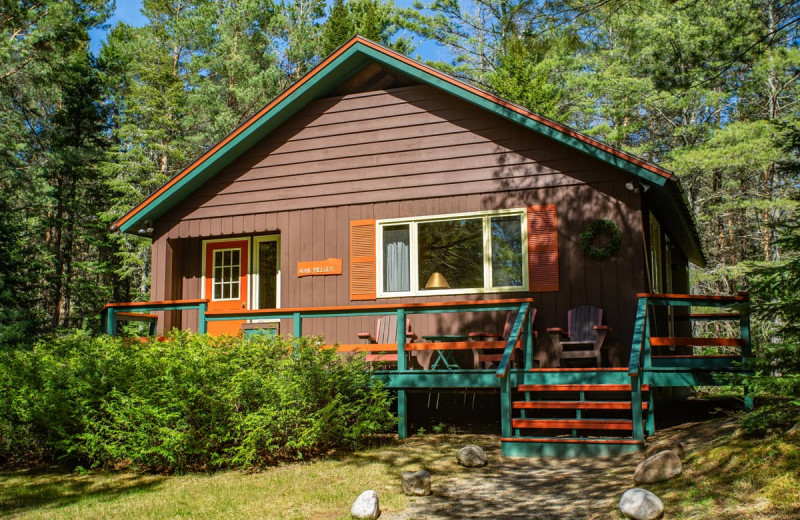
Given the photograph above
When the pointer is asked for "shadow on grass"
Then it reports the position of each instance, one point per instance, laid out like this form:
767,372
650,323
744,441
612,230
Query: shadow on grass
507,488
54,487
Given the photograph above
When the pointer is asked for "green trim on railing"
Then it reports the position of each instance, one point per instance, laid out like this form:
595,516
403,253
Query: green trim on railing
505,361
401,339
638,337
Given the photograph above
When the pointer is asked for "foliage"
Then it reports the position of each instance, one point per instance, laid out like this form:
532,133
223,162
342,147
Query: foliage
776,287
188,403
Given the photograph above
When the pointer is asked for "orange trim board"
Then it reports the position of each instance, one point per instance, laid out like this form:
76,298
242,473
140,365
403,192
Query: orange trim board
388,52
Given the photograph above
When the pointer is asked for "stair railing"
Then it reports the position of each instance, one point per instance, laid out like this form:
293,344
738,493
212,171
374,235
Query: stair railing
505,363
640,355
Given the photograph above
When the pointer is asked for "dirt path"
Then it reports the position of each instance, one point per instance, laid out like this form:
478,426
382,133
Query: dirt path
542,489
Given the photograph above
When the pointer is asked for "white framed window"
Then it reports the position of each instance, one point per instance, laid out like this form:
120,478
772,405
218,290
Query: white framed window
453,254
266,272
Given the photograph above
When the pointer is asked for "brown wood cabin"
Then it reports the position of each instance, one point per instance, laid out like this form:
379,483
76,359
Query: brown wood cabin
400,171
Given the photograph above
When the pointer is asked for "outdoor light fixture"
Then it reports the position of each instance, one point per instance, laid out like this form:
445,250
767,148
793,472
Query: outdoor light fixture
437,281
632,186
146,229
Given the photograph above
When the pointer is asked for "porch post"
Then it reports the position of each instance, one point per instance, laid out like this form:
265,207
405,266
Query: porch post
402,414
111,321
402,398
297,325
505,406
744,333
529,339
202,326
636,408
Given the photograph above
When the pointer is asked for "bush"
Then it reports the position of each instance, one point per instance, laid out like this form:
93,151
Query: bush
188,403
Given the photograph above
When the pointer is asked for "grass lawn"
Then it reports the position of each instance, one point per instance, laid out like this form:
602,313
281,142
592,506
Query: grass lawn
320,490
726,477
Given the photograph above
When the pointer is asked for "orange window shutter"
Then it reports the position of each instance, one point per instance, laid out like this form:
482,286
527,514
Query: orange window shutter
362,260
543,248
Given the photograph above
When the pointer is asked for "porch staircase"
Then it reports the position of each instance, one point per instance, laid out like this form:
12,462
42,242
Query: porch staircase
586,413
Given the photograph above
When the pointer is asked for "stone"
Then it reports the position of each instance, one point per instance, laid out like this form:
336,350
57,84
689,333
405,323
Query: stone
472,456
663,465
416,483
641,504
366,505
675,446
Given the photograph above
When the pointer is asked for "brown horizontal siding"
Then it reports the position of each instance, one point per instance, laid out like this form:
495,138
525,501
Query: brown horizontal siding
407,152
404,144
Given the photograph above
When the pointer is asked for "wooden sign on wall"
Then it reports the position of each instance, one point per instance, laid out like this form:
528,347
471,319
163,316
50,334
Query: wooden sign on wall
327,267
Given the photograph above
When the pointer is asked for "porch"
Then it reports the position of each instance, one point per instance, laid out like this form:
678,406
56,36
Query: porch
544,411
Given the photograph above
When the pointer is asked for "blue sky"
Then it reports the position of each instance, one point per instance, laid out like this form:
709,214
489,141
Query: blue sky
129,11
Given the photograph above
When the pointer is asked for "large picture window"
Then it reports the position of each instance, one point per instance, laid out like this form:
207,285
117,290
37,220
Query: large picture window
452,254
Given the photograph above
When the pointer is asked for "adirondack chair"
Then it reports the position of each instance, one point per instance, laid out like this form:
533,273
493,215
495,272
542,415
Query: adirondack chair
484,358
585,335
386,333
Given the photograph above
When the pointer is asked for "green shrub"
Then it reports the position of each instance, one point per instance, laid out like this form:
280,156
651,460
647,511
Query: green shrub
189,403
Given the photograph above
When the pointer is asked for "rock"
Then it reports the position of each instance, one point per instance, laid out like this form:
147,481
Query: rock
661,466
641,504
676,446
472,456
366,505
416,483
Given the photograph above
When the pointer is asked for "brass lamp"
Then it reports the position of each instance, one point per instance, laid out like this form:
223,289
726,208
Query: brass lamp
437,281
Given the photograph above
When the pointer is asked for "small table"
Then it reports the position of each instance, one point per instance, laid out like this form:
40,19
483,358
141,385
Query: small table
445,356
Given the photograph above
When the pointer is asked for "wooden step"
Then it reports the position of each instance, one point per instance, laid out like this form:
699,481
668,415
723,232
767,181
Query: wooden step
572,440
573,424
568,447
696,342
574,405
578,388
617,369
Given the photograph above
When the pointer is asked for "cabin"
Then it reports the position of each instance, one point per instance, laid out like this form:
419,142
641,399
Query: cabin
462,242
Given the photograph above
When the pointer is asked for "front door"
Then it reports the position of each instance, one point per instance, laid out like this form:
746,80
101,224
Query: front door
226,281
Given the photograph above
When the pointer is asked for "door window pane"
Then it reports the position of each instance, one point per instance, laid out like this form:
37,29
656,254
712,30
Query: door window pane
268,274
507,251
396,259
453,248
226,274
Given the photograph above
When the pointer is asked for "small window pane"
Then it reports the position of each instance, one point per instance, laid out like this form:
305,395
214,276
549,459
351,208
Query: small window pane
507,251
396,259
226,271
454,249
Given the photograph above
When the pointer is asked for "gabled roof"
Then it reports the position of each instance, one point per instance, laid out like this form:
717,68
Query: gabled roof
343,64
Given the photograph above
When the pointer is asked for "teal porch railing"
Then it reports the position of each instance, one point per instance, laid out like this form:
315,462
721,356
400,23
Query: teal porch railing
685,369
401,379
113,313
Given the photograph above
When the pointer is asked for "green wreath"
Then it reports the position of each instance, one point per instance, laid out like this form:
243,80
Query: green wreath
601,227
